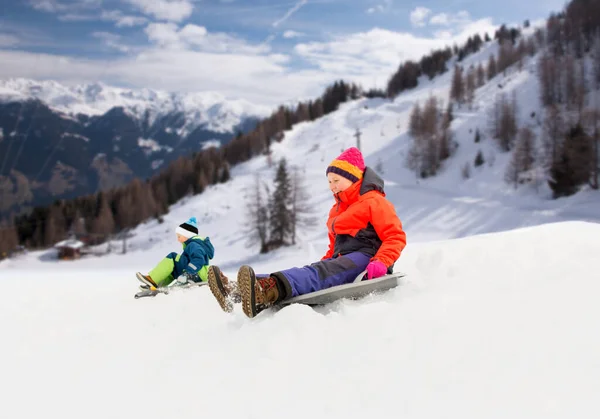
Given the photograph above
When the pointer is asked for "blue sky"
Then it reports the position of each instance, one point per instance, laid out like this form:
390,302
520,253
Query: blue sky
267,51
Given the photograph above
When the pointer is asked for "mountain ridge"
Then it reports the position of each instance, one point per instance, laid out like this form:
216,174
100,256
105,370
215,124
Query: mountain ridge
51,135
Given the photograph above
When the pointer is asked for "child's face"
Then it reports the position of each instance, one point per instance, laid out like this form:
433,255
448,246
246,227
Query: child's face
338,183
181,239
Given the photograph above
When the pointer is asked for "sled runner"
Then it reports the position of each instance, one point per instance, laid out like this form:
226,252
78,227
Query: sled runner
354,290
152,292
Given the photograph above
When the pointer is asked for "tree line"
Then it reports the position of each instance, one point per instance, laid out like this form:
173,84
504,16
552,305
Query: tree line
435,63
569,77
566,156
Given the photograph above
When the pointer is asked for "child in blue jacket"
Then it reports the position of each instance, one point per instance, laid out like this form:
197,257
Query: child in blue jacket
193,262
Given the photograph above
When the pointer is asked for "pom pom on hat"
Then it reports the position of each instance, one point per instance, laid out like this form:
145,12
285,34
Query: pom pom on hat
350,164
188,229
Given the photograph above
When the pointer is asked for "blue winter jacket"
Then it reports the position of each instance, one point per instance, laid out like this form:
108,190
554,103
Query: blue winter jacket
197,252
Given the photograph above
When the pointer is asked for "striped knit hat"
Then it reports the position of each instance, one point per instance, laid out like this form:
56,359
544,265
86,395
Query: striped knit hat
349,164
188,229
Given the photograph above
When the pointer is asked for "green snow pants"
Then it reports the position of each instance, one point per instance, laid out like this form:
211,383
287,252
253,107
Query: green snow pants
162,274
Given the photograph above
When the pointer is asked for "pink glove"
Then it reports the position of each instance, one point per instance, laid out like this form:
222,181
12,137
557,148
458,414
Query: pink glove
376,269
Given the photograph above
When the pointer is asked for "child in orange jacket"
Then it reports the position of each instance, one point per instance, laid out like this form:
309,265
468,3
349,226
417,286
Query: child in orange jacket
364,234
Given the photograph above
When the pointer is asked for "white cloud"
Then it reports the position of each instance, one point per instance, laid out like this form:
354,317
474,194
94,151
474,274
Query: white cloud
50,6
170,10
56,6
443,34
8,40
111,40
76,17
86,10
197,38
440,19
163,34
376,54
292,34
115,16
380,8
454,23
122,20
193,32
463,15
290,12
192,58
418,16
445,19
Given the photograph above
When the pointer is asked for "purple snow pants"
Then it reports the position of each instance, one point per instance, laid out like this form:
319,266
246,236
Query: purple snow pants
323,274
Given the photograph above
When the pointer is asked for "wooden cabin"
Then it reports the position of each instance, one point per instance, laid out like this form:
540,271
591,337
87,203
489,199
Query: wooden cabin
69,249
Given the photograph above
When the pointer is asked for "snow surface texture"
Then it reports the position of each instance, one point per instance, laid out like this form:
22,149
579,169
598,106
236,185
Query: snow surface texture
489,323
215,111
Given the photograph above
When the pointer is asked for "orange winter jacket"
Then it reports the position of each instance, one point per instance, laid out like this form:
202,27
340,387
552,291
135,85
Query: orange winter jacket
363,220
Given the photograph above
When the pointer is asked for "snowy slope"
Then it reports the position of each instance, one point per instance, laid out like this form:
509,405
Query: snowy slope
500,325
211,109
488,323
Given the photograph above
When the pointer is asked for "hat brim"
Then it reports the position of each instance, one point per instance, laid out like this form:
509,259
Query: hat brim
185,233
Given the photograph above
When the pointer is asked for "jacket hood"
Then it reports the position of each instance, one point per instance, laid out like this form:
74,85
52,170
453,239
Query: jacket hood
205,243
371,182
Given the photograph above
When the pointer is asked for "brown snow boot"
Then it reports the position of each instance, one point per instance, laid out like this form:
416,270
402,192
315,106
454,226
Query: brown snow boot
225,291
257,293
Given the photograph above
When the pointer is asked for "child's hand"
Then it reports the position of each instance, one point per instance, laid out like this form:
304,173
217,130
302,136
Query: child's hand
376,269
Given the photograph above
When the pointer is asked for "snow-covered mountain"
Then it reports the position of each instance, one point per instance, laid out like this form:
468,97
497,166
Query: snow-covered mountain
59,142
211,110
488,323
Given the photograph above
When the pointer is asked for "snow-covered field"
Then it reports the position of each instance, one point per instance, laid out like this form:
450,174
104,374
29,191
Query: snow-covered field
496,318
499,325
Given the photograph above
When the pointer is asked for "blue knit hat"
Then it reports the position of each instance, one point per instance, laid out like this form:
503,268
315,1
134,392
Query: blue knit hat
188,229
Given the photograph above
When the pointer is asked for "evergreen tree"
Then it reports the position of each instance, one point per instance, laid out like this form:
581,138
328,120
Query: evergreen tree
225,173
77,227
492,69
8,240
480,75
449,113
55,228
596,61
415,121
300,206
103,224
573,167
478,159
470,86
523,157
457,89
553,135
257,216
280,213
548,76
504,122
592,119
